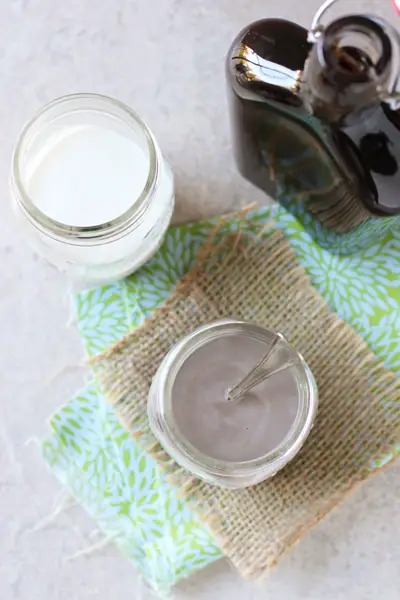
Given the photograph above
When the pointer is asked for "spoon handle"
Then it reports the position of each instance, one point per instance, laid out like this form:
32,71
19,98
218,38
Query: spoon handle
258,374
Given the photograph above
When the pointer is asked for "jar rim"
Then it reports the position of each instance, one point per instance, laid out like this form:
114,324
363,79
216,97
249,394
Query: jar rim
94,234
199,462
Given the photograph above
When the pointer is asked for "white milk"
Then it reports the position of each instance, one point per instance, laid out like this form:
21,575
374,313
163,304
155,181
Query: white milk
87,176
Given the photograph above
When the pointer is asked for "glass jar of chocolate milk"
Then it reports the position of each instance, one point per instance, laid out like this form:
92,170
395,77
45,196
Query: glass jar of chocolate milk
232,444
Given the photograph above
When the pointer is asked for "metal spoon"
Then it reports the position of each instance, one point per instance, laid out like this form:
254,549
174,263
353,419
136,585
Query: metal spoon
258,374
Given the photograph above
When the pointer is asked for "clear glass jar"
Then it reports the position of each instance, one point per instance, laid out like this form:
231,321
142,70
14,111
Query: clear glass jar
226,473
105,251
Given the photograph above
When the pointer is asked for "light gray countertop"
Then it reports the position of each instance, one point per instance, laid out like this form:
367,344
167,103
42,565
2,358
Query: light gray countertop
165,59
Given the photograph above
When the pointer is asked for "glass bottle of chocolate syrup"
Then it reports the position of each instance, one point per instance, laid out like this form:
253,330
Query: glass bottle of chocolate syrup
315,123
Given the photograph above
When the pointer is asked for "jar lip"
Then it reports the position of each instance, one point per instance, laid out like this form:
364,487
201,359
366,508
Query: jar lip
97,233
184,452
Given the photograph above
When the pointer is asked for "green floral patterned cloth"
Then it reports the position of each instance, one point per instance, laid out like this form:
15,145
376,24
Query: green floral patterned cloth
121,487
109,474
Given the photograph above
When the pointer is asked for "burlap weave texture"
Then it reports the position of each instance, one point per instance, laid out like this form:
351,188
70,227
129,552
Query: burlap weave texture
259,279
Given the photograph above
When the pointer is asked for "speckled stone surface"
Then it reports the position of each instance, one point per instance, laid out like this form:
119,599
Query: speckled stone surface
165,58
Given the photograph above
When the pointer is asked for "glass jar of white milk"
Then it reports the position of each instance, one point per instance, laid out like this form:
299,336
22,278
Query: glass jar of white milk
91,186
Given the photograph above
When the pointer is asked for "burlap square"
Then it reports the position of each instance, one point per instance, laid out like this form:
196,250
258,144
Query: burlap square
258,278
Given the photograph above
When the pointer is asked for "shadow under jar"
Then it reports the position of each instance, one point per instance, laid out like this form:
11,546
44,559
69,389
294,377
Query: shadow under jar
231,444
91,188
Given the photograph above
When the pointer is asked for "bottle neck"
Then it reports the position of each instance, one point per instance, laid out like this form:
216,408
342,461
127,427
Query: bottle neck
349,69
